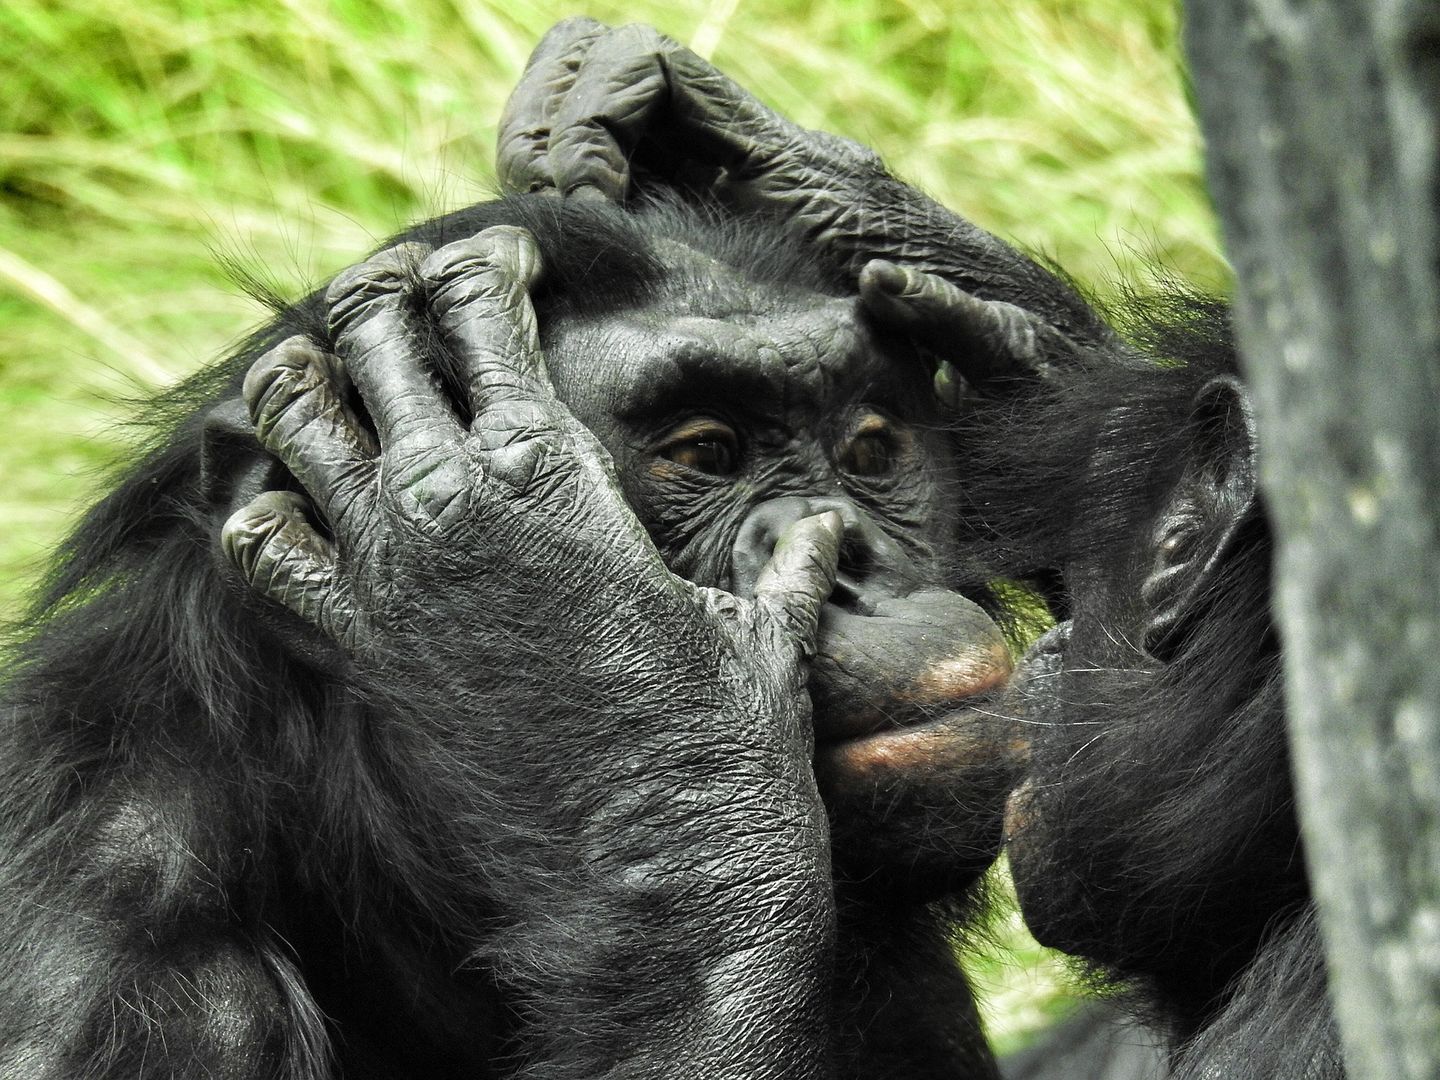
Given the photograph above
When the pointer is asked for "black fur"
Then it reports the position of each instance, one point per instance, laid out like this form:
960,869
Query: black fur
222,856
1158,840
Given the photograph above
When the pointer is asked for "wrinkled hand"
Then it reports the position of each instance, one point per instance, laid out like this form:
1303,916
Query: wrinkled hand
615,759
495,519
987,346
597,107
590,95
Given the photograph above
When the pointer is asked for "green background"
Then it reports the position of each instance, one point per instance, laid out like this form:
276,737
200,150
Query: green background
145,147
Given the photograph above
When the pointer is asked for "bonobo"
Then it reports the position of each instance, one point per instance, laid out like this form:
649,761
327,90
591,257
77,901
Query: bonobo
427,764
1156,835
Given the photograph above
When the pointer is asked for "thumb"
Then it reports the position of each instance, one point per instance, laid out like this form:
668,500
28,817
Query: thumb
800,575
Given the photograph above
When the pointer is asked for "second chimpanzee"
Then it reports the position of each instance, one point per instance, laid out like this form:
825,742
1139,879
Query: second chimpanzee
1156,834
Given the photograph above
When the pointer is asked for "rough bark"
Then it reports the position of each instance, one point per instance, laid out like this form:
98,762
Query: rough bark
1321,119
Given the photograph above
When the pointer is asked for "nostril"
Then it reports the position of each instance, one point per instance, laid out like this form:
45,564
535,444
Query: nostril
856,562
756,540
872,565
856,556
849,594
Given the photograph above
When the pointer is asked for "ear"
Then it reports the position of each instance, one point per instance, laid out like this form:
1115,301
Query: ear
1197,526
233,467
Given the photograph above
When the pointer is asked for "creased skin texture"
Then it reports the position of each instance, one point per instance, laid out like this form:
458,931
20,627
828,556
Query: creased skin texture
1155,836
603,112
733,810
706,733
425,762
445,755
370,725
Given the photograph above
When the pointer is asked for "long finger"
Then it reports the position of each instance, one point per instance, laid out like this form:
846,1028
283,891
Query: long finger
479,290
522,143
370,325
618,92
729,126
984,339
794,585
301,418
280,555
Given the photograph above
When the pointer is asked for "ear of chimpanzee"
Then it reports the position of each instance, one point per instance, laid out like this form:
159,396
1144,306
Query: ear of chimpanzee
1199,523
233,467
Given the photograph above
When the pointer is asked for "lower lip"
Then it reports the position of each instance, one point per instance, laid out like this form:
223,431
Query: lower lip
895,748
932,746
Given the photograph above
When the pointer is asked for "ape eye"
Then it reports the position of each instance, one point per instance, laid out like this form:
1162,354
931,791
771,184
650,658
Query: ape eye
871,451
704,445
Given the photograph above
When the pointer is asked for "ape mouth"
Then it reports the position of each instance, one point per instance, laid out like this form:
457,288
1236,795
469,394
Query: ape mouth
968,736
1033,696
907,671
1034,700
923,697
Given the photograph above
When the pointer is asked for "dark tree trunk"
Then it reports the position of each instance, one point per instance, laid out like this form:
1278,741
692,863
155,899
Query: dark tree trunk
1321,118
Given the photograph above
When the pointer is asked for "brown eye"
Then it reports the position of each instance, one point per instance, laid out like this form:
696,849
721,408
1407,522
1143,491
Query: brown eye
706,446
869,455
871,452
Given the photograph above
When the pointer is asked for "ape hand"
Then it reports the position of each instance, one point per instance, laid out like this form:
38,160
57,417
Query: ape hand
640,747
590,95
993,345
499,506
598,108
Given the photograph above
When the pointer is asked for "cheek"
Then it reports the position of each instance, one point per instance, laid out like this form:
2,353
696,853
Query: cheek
928,494
693,528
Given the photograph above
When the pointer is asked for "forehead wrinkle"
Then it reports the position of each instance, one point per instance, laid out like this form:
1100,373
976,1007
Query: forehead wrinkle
790,348
799,356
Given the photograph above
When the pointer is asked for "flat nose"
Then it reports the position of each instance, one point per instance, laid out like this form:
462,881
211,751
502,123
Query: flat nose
872,565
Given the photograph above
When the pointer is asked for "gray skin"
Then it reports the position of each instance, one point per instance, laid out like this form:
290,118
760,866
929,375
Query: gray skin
616,113
840,449
816,411
727,859
608,113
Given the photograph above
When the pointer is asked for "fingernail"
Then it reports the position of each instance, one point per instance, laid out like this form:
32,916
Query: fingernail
885,275
587,193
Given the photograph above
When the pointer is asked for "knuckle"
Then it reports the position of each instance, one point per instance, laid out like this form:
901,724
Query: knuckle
517,420
366,279
279,378
250,532
510,246
530,466
524,144
638,36
493,264
470,258
577,26
383,275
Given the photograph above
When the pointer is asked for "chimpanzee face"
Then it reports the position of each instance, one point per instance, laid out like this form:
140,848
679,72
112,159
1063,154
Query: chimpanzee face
719,401
1154,833
734,409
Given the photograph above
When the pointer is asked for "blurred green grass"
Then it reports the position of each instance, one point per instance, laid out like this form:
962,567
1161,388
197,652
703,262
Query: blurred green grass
141,143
